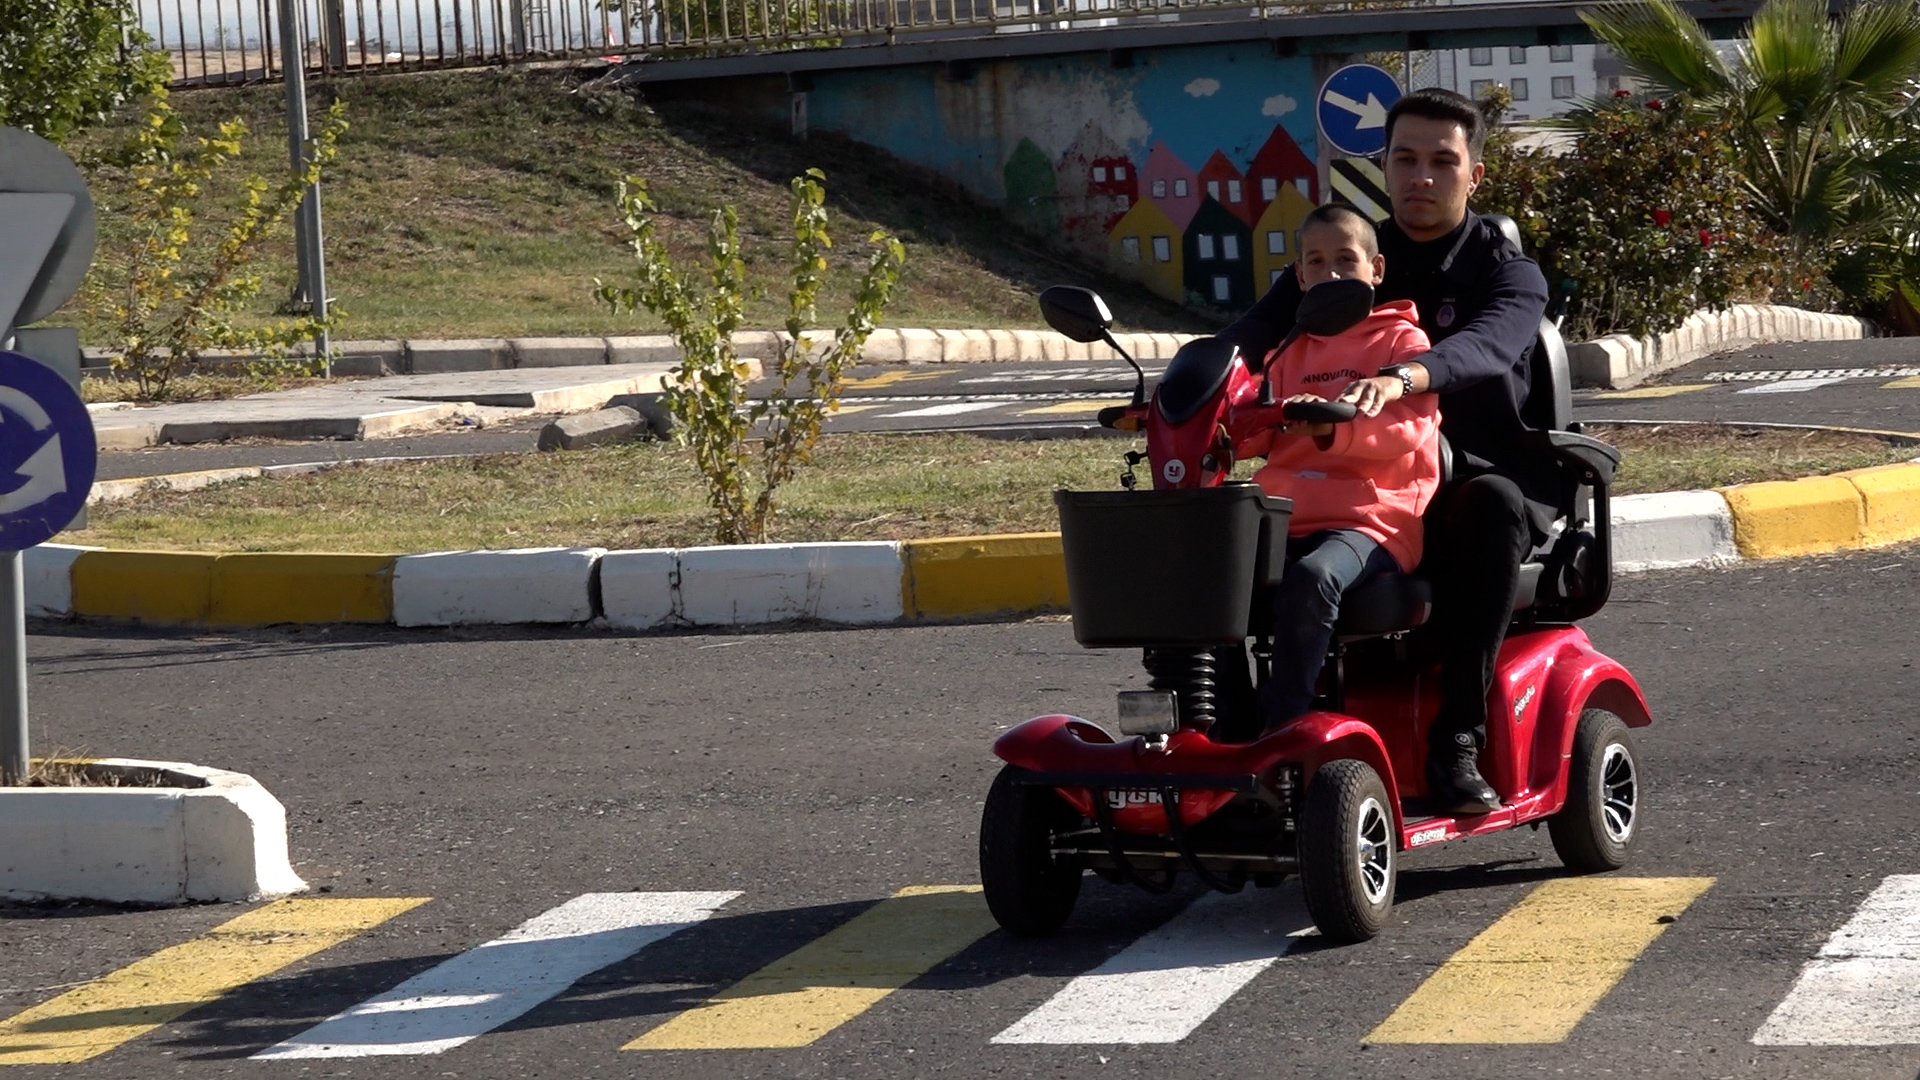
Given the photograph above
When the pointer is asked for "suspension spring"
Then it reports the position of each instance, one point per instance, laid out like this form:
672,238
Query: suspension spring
1189,674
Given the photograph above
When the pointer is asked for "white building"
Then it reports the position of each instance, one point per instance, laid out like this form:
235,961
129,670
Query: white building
1546,80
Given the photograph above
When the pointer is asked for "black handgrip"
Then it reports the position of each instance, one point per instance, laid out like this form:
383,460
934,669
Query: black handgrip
1319,412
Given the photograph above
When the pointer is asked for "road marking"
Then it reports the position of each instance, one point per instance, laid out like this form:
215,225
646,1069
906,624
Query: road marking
953,409
1072,408
491,984
89,1021
821,985
1793,386
1911,382
1863,989
1163,986
889,378
1652,392
1532,975
1884,372
846,407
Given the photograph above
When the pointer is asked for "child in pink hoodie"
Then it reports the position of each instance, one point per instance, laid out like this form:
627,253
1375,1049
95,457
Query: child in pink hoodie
1358,488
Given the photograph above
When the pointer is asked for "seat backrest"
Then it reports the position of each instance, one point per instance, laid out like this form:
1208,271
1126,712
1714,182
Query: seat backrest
1549,404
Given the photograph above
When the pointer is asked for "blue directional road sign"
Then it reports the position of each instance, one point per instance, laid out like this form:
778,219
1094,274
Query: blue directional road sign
47,452
1352,109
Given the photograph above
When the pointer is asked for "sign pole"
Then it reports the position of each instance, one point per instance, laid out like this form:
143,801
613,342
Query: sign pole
13,670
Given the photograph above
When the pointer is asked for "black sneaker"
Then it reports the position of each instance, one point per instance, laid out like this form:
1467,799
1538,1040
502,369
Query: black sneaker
1454,783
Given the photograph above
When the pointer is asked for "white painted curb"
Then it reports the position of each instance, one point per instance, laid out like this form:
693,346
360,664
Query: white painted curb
527,585
1672,529
639,589
48,573
1617,361
853,583
217,835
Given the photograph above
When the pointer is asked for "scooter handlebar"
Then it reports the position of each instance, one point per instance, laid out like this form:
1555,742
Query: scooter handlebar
1319,412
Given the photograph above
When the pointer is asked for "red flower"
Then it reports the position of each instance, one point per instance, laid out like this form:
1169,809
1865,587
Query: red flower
1662,218
1806,284
1622,93
1655,105
1706,238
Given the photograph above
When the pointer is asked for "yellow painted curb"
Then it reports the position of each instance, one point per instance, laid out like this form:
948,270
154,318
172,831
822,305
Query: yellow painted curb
1891,494
262,589
1796,517
982,575
148,586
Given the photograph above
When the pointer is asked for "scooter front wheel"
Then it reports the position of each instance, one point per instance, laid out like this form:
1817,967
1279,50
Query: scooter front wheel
1029,890
1347,851
1598,828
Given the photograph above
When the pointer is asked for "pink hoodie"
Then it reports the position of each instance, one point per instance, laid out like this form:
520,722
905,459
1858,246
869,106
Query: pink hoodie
1379,472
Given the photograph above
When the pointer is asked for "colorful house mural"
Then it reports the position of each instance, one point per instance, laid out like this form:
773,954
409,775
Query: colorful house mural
1280,164
1173,184
1276,236
1226,185
1218,263
1149,247
1097,184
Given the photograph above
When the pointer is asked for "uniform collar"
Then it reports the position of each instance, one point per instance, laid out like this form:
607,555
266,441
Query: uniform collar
1448,264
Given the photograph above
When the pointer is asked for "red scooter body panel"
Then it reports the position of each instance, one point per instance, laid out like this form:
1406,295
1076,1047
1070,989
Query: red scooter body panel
1179,453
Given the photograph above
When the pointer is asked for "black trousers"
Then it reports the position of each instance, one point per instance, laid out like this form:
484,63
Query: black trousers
1478,534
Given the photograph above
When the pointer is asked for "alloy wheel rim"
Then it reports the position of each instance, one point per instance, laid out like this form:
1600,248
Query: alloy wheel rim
1374,850
1619,793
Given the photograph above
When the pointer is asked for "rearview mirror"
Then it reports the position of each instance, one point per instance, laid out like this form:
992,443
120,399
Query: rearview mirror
1077,313
1332,307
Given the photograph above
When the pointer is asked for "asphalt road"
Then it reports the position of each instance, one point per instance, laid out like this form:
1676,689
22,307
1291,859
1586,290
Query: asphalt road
817,772
1866,384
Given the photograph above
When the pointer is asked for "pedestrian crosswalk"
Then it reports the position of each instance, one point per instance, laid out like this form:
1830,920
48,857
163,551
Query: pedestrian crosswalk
1533,975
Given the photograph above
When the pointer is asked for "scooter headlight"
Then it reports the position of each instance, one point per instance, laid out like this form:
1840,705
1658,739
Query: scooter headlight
1148,712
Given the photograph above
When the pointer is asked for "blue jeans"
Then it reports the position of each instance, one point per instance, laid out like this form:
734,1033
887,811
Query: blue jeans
1321,568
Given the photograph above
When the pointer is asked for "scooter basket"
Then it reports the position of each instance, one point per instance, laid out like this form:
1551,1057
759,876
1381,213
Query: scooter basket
1169,569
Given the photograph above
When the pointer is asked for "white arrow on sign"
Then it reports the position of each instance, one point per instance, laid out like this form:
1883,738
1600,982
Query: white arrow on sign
46,470
1372,114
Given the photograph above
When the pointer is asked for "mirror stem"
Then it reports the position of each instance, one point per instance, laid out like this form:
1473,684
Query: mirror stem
1139,376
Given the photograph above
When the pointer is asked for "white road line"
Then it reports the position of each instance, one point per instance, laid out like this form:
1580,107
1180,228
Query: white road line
954,409
1163,986
1793,386
1864,987
486,986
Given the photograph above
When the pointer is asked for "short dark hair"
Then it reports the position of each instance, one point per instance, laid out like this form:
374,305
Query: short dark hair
1439,103
1339,214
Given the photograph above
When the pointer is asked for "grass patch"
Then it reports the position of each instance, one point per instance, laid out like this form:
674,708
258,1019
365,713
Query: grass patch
469,204
861,487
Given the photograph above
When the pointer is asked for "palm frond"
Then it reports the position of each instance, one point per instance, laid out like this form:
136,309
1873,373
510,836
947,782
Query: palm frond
1790,59
1662,45
1877,56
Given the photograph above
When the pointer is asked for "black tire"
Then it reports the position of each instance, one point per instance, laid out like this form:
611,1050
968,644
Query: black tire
1030,892
1347,853
1600,825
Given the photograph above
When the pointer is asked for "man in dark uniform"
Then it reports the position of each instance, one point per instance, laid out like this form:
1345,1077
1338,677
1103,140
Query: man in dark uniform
1480,301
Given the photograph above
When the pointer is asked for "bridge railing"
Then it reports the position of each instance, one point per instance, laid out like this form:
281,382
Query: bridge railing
236,41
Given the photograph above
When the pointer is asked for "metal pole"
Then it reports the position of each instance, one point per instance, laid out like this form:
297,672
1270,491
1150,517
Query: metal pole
307,234
13,671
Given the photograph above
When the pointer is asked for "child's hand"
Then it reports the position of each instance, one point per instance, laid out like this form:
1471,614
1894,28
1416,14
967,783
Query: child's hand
1296,427
1303,397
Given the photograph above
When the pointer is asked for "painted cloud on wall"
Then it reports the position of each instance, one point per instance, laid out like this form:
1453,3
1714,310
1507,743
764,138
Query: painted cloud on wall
1278,105
1203,87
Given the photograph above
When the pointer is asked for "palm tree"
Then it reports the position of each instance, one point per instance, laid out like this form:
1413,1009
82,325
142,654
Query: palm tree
1824,116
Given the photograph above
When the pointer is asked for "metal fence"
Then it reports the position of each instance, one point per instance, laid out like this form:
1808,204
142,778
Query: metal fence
235,41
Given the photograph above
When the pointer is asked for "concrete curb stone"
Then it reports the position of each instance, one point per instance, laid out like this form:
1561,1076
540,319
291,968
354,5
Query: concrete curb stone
1618,362
524,585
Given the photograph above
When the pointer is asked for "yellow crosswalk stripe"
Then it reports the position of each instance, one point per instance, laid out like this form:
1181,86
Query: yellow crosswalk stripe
93,1019
1532,975
821,985
890,378
1651,392
1072,407
1911,382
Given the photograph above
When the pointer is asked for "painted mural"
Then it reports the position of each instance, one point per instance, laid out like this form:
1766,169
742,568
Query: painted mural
1187,168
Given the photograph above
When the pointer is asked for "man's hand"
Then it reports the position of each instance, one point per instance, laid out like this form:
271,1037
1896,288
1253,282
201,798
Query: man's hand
1372,395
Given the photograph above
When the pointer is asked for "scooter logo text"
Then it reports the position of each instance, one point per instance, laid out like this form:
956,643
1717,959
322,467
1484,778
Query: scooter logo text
1121,798
1521,705
1174,470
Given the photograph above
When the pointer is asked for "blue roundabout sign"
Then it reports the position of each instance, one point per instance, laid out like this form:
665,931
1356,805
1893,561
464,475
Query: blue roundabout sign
47,452
1352,109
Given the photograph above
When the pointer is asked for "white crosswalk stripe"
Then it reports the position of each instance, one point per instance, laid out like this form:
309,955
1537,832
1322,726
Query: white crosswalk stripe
1863,989
487,986
1792,386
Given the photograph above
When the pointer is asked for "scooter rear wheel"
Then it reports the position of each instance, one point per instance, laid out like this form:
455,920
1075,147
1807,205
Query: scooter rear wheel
1029,891
1347,851
1598,828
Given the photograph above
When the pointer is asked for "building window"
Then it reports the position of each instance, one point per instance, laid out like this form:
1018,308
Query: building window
1230,248
1123,201
1519,87
1179,189
1479,57
1300,185
1099,174
1213,190
1479,87
1613,84
1222,289
1273,277
1233,191
1516,54
1562,87
1159,189
1130,247
1162,249
1560,54
1119,172
1205,242
1276,242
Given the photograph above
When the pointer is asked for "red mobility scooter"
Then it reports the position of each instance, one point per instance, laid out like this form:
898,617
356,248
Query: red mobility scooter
1183,572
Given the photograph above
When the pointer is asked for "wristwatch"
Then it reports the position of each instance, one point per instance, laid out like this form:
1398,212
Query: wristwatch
1401,372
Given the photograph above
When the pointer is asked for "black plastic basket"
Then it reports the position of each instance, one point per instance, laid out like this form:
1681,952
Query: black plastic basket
1170,568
